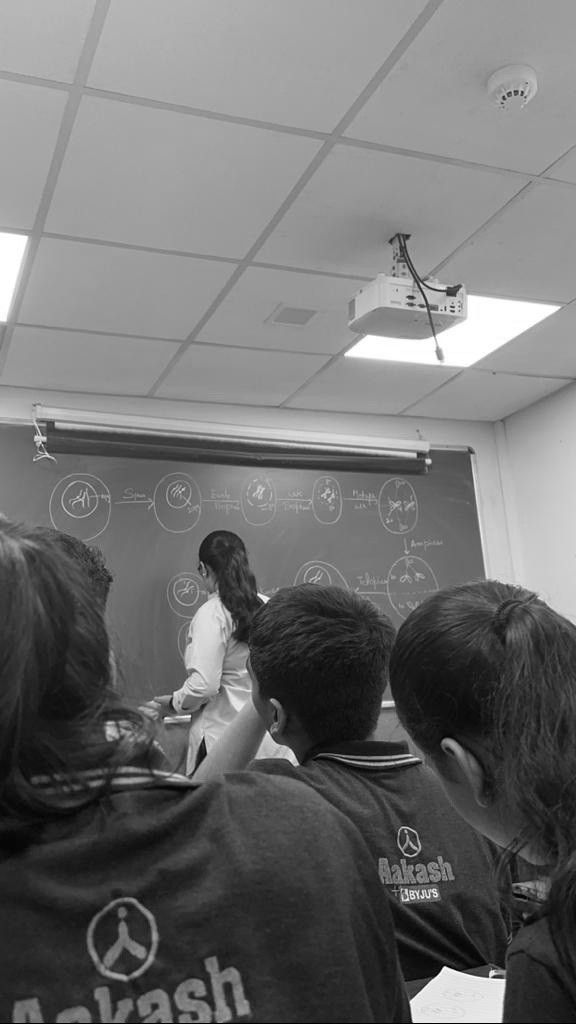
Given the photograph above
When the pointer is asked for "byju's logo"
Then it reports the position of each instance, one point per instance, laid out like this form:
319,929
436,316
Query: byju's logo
122,939
408,841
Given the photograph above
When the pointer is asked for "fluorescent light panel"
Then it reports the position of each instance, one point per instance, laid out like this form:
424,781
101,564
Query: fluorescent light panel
490,324
12,248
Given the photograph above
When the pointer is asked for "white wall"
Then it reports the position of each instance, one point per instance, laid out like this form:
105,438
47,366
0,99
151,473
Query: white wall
16,406
538,450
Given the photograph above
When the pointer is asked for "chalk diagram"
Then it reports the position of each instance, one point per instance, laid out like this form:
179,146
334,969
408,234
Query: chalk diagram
177,502
323,574
410,581
327,500
80,503
184,593
258,500
183,638
398,506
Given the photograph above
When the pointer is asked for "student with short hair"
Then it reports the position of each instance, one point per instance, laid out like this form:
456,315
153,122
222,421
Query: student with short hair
319,665
129,893
89,559
484,678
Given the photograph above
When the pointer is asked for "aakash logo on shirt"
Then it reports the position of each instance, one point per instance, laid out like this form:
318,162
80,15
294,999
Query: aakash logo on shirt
411,880
408,841
122,940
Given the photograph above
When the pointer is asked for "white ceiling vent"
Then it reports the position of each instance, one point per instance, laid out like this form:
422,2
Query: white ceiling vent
291,316
512,87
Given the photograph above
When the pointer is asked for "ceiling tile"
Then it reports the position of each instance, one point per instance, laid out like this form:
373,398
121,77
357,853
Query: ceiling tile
244,318
30,117
358,199
435,99
525,253
548,349
43,39
370,386
477,395
69,361
292,63
101,288
172,181
564,169
210,373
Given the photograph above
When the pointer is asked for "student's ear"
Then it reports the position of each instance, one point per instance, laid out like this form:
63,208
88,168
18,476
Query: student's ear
466,768
278,720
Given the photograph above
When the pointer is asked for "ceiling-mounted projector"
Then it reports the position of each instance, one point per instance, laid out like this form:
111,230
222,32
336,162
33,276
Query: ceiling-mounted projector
404,305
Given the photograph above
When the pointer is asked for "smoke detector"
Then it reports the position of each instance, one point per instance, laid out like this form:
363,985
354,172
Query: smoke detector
512,87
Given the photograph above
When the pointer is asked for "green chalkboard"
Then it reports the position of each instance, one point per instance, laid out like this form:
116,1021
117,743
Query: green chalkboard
392,538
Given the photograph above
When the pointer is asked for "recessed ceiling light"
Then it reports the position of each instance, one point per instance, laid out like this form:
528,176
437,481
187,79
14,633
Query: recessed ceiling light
12,249
489,325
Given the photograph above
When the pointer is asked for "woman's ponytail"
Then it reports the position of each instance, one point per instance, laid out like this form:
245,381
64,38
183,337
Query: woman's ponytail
225,554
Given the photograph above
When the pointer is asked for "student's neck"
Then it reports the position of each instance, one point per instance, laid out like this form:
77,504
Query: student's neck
300,744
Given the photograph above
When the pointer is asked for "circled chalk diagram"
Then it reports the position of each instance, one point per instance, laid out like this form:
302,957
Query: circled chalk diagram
80,503
410,581
398,506
184,593
177,502
183,638
323,574
327,500
258,500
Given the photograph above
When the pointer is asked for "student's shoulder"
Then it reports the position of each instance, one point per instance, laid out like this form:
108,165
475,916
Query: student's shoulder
281,787
243,795
538,986
258,787
534,941
278,766
274,806
263,788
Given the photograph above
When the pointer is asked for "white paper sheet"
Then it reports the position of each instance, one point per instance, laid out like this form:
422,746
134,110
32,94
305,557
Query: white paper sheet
452,997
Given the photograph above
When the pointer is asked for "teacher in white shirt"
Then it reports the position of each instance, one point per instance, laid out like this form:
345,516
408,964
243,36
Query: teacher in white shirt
217,648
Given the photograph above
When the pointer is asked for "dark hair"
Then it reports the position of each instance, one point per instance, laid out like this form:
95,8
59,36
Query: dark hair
88,558
225,554
323,653
491,661
56,690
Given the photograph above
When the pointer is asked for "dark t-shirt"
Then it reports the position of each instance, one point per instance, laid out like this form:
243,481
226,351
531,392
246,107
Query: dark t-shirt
170,902
438,872
538,987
